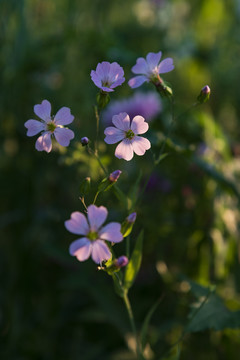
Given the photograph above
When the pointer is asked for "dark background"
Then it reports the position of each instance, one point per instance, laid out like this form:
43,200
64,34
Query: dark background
53,307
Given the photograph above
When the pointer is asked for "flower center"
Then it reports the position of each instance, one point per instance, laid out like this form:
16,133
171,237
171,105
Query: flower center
51,126
106,84
129,134
92,235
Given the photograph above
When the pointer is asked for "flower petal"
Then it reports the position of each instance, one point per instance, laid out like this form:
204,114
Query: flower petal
111,232
141,66
96,79
44,142
96,216
115,73
165,66
63,116
106,89
139,125
153,59
140,145
121,121
103,69
100,251
77,224
124,150
34,127
137,81
63,136
81,248
113,135
118,82
43,110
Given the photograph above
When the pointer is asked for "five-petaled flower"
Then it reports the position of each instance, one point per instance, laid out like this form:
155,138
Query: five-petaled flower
49,126
108,76
92,243
150,69
128,133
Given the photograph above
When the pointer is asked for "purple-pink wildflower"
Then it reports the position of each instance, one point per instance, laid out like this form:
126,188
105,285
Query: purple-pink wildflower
108,76
148,105
150,69
128,135
49,126
92,243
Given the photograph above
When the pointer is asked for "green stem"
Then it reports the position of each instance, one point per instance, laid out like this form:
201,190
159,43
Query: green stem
95,198
127,247
131,318
97,128
93,153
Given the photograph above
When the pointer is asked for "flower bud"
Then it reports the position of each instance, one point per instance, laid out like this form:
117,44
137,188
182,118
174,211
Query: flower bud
108,182
85,186
121,261
127,224
84,141
113,177
132,217
204,94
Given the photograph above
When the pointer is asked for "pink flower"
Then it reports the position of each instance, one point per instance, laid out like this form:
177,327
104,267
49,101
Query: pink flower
49,126
127,132
92,243
150,69
108,76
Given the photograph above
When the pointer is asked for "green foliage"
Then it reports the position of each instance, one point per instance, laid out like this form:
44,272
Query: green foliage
134,263
210,312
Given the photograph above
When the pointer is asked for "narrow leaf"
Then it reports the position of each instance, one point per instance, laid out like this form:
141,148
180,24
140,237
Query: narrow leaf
143,334
134,263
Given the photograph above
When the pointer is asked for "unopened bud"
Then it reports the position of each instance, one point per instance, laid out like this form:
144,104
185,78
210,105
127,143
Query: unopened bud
113,177
127,224
204,94
121,261
132,217
84,141
85,186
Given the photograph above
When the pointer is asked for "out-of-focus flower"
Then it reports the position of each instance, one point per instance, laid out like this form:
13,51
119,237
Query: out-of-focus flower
128,135
49,126
150,69
113,177
92,243
108,76
148,105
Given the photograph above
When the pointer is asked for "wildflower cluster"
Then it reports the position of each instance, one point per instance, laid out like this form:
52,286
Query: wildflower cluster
130,118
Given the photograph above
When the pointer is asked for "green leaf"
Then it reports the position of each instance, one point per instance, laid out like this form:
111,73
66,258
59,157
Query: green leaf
117,286
210,312
133,193
160,158
174,355
134,263
143,334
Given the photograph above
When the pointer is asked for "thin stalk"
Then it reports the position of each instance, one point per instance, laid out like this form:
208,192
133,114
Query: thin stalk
97,128
132,322
93,153
95,198
127,247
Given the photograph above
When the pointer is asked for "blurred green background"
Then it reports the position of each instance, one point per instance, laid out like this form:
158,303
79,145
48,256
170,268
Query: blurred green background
53,307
